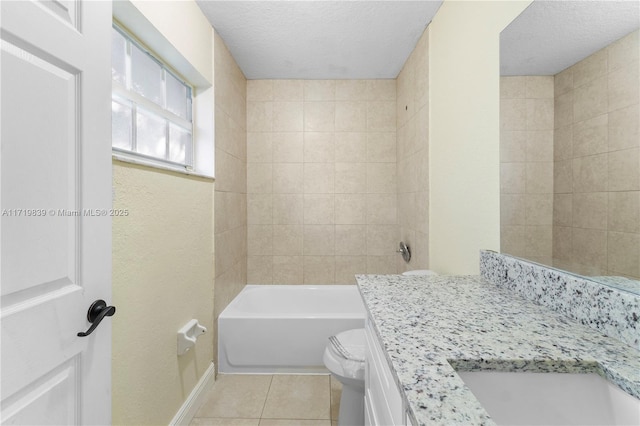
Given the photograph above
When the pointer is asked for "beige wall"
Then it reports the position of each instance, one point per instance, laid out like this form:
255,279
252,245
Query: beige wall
230,229
464,134
597,163
413,155
162,252
526,166
321,180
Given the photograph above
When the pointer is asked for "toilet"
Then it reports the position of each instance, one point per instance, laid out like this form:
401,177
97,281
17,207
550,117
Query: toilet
344,358
419,272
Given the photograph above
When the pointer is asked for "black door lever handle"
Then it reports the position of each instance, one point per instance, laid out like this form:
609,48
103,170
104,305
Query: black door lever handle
97,311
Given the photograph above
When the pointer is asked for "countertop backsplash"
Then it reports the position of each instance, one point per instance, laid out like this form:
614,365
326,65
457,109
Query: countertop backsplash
613,312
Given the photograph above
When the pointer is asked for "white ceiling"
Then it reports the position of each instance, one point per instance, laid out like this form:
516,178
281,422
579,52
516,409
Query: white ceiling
320,39
550,36
354,39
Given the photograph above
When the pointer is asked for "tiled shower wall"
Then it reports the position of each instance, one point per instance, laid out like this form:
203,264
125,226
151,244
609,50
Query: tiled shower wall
230,227
596,225
526,166
321,180
413,155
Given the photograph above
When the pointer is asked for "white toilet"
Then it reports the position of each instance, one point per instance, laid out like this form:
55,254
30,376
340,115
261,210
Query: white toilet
344,358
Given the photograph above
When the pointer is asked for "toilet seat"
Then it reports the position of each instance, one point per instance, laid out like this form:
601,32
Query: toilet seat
354,343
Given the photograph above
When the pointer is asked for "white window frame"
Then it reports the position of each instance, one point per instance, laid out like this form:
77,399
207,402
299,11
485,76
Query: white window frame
129,17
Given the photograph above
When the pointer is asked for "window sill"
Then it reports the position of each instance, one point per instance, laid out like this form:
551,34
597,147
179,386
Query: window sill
158,165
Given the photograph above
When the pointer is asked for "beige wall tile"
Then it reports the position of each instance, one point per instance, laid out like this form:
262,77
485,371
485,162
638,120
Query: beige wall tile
513,87
513,114
539,209
539,145
287,147
513,146
319,269
624,211
350,178
350,209
590,247
563,210
512,209
590,68
288,269
624,252
259,147
563,143
590,210
540,114
539,87
259,209
287,116
590,173
259,178
287,178
319,116
624,51
259,239
512,240
512,178
382,265
231,172
538,241
539,178
624,170
319,239
591,136
319,90
351,90
562,243
351,240
259,90
348,266
623,128
381,240
351,147
288,209
259,116
319,209
381,147
624,87
381,178
590,100
351,116
563,82
563,110
288,90
381,116
319,147
287,240
259,269
319,178
381,90
382,209
563,177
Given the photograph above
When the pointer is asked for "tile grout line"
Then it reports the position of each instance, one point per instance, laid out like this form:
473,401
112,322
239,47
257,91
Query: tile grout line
265,400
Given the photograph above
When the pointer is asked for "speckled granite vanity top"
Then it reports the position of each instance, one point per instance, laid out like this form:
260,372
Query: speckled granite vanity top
432,326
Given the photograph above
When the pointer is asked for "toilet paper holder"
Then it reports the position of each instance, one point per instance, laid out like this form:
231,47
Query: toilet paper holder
188,334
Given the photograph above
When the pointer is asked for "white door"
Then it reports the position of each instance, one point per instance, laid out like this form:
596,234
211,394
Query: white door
55,178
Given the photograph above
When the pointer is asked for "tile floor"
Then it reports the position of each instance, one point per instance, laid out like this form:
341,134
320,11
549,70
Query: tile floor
278,400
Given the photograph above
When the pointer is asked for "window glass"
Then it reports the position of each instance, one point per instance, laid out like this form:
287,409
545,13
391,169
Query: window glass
151,134
176,96
118,57
121,125
178,143
146,75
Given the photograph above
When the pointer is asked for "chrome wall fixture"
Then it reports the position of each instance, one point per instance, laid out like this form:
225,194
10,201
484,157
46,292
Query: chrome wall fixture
405,251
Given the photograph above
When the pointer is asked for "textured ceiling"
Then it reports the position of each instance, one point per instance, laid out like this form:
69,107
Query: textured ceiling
550,36
320,39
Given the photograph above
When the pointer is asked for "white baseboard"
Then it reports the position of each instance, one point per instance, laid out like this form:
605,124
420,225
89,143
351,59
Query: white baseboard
195,399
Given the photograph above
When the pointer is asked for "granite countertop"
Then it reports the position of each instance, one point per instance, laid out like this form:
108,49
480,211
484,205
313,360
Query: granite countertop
431,326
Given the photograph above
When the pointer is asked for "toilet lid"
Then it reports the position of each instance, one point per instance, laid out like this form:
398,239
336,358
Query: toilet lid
349,344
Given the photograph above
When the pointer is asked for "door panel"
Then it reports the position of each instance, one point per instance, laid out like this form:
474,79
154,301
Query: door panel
55,174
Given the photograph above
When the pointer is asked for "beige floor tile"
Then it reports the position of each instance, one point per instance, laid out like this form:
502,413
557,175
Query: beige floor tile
336,393
237,397
208,421
298,397
294,422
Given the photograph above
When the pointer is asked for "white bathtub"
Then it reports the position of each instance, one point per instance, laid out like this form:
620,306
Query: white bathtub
284,328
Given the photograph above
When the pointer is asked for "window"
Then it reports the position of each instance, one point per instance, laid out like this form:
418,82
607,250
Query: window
151,113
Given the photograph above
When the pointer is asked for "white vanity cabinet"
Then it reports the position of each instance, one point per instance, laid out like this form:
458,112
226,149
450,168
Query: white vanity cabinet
382,401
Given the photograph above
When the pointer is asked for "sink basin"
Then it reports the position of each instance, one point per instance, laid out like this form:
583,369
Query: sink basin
525,398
